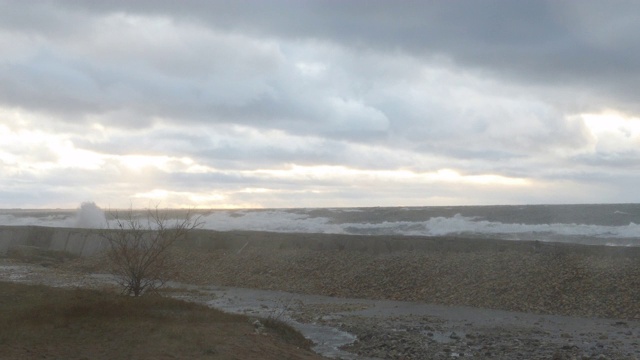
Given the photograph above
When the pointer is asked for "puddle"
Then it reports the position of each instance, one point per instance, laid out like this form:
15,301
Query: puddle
327,340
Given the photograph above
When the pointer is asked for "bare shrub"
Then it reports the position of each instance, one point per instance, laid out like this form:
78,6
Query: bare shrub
139,247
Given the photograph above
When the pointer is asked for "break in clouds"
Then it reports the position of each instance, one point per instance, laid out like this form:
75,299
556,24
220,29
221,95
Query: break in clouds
312,104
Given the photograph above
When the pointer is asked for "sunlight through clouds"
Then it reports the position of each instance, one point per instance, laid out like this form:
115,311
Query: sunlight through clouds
186,199
35,150
612,122
210,104
613,131
379,177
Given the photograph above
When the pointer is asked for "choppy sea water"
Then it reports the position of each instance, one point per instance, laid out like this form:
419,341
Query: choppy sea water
610,224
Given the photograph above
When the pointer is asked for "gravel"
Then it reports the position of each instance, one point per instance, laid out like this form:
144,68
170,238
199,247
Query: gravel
570,281
410,338
544,283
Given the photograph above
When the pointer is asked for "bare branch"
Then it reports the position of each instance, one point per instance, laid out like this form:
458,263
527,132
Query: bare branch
139,248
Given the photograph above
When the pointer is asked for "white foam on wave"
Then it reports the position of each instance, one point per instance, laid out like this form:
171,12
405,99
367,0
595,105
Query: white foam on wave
284,221
269,220
57,220
292,221
459,225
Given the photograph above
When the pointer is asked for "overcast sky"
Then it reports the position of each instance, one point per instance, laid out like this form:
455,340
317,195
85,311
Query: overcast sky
318,103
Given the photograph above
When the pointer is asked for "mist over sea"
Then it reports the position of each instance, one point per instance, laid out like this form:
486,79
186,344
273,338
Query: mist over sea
606,224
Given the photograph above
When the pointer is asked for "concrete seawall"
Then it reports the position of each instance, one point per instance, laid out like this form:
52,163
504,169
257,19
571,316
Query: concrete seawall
82,242
85,242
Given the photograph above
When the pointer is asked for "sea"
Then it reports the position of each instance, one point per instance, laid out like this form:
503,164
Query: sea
593,224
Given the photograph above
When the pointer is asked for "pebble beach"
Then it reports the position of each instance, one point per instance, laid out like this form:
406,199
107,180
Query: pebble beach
598,283
541,286
534,277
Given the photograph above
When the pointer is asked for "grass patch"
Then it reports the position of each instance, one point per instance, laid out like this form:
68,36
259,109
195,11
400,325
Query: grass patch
89,324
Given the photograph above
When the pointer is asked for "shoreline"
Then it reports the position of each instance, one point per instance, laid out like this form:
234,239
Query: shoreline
515,275
86,242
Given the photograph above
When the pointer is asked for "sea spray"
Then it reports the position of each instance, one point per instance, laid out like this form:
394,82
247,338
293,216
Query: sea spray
89,215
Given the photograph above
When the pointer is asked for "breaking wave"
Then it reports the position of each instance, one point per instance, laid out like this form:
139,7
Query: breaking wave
279,221
375,221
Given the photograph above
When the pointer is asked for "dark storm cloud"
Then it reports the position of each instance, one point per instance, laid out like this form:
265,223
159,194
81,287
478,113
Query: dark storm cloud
235,79
562,43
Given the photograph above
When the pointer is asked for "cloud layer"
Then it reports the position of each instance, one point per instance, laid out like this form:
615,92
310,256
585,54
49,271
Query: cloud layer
310,103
